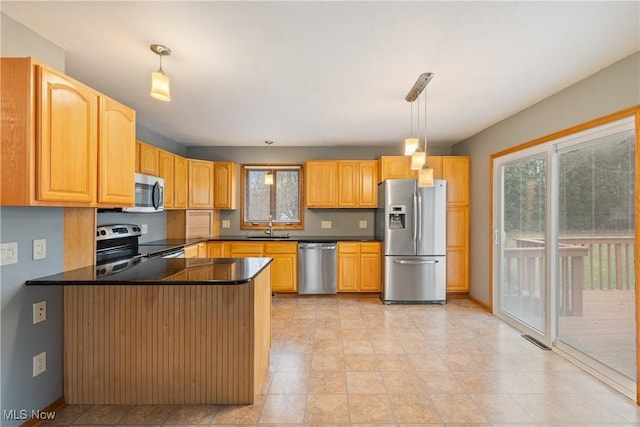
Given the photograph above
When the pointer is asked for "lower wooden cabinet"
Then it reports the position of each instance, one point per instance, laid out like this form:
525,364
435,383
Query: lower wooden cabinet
284,268
191,251
359,266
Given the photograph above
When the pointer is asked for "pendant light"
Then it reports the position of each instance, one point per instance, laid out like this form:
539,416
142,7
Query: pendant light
159,80
268,177
411,143
418,157
425,174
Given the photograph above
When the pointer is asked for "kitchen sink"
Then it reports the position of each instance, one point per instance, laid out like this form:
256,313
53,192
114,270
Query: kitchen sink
267,237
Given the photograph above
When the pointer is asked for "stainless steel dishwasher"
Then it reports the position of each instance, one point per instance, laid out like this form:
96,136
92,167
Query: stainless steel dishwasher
317,268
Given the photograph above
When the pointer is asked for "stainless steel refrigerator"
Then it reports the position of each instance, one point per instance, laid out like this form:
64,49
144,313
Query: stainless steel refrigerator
412,224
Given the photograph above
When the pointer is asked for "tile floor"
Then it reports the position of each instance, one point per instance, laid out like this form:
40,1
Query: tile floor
349,360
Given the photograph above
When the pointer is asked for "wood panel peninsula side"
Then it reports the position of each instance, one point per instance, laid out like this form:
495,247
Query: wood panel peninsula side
167,331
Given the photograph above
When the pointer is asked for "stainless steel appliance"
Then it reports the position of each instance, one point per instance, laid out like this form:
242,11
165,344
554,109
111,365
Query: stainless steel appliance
411,222
317,268
149,193
117,248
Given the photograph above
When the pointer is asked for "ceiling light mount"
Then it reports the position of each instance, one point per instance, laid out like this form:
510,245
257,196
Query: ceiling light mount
418,86
161,50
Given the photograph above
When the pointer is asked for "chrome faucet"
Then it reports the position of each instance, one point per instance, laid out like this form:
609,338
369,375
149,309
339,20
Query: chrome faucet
270,230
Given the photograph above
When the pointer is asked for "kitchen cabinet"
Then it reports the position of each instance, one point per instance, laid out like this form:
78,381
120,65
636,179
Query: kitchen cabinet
180,182
359,266
284,268
116,153
166,171
192,223
357,184
225,190
60,139
200,178
216,250
147,159
321,183
341,183
191,251
395,167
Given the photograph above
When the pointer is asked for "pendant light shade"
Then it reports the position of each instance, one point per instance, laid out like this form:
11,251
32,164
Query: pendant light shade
410,146
159,80
418,159
268,178
425,177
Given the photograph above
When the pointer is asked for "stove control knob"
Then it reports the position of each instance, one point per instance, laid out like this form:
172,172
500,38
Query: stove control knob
103,233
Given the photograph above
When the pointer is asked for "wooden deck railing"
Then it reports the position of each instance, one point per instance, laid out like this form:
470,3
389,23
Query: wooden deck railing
589,263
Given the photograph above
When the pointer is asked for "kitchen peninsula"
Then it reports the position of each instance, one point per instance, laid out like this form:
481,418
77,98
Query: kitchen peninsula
166,331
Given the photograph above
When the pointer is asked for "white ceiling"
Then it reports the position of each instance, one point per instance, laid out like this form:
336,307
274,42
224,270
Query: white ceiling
331,73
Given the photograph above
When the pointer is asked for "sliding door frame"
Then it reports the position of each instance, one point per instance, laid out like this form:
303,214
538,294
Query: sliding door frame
551,268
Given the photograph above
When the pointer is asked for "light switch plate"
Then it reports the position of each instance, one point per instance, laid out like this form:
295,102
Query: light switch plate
9,253
363,224
326,224
144,228
226,223
39,248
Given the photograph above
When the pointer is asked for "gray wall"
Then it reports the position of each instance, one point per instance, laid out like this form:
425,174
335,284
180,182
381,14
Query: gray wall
147,135
344,221
21,340
612,89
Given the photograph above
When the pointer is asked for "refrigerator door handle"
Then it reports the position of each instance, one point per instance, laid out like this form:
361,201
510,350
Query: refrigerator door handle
404,261
415,219
419,217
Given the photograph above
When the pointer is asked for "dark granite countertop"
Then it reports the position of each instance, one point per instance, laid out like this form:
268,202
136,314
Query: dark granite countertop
262,238
174,271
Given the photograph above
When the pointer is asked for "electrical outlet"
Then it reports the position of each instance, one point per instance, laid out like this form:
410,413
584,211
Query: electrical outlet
326,224
144,228
39,312
226,223
40,249
8,253
39,363
363,224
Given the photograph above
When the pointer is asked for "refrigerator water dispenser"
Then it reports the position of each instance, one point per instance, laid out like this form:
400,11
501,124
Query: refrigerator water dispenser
397,217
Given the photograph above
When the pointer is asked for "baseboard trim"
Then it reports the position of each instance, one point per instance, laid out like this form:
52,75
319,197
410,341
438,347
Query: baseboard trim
52,407
481,304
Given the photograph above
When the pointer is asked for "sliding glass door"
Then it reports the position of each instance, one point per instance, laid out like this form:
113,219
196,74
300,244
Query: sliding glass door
564,246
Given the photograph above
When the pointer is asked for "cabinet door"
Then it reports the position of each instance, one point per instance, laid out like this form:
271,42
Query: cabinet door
191,251
284,272
166,168
66,152
348,184
116,153
216,250
348,267
395,167
147,159
321,184
458,248
200,184
370,266
245,250
455,169
368,184
180,182
435,163
225,178
457,270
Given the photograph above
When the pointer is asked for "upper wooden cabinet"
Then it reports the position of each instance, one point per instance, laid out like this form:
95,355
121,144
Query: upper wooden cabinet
357,184
166,171
341,183
50,140
395,167
180,182
116,153
321,183
148,159
200,184
226,187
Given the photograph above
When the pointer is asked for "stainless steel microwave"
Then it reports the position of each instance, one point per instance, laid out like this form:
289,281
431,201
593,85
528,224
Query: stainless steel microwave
149,194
